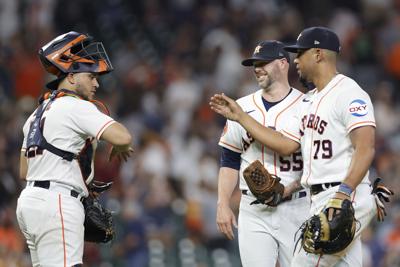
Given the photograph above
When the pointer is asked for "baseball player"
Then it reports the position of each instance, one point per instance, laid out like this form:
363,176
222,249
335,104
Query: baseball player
57,152
335,128
266,234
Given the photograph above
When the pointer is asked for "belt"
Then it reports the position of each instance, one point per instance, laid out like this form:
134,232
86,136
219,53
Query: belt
296,195
46,185
318,188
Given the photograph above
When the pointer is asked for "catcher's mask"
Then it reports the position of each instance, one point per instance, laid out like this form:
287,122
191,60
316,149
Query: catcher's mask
73,52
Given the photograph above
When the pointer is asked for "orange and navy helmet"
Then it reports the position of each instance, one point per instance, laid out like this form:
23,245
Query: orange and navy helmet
73,52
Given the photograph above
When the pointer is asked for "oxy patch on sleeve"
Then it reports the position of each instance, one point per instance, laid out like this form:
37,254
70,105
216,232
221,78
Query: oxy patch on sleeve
358,108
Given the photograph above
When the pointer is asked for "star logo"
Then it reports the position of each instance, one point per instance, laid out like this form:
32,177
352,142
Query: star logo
257,49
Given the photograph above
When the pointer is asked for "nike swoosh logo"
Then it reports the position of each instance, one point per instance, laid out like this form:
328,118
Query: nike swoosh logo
248,112
306,100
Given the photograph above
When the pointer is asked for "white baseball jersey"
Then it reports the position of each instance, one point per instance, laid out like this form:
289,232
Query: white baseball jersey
52,219
261,224
237,139
70,124
322,126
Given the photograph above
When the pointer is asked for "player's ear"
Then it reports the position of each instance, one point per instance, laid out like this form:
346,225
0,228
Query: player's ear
71,78
318,54
283,62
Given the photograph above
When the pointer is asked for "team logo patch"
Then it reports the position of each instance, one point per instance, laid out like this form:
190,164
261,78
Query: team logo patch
358,108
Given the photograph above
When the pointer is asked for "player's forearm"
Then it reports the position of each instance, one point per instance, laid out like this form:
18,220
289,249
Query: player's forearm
227,181
363,140
360,163
23,166
267,136
292,188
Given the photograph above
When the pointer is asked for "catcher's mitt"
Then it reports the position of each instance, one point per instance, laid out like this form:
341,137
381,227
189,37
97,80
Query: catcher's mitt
98,221
323,236
266,187
381,194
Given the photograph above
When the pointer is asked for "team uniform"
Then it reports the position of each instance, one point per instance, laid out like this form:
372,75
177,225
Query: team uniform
322,126
266,233
49,210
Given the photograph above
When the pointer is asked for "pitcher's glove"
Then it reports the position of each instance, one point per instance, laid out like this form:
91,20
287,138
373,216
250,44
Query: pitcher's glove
98,224
330,231
382,194
265,187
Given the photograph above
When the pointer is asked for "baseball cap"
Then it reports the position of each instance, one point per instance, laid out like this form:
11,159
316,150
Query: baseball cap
316,37
267,51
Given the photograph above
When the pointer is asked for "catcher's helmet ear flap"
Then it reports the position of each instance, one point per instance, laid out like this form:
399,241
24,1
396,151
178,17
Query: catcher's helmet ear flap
74,52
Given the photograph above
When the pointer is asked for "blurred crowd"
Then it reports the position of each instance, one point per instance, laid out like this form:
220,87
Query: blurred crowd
169,58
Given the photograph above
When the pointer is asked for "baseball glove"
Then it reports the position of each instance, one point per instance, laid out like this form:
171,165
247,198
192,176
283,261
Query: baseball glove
330,231
265,187
381,194
98,224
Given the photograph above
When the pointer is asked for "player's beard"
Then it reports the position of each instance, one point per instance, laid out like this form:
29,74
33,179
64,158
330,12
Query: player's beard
308,85
82,92
266,83
303,81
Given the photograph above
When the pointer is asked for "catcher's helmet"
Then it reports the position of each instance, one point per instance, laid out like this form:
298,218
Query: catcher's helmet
73,52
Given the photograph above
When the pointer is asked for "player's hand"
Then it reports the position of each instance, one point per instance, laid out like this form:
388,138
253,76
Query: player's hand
332,211
225,220
286,192
381,194
226,107
121,152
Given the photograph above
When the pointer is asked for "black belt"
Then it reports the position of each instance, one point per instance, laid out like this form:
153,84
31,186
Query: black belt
46,185
301,195
318,188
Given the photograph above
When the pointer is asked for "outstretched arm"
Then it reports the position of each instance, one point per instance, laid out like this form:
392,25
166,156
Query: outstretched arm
276,141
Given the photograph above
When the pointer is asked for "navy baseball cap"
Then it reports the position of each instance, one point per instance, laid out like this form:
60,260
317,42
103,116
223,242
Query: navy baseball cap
267,51
316,37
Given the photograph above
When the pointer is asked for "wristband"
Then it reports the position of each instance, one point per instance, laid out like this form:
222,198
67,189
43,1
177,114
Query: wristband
345,189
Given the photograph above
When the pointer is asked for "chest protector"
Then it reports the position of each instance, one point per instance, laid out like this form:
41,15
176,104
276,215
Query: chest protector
36,142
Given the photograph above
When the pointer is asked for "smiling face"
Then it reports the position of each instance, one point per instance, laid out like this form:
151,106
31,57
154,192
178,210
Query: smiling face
266,73
86,84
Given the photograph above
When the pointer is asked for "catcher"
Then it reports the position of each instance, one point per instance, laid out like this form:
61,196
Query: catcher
57,153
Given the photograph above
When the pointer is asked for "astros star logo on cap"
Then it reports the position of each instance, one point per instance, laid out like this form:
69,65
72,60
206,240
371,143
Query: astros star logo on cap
257,49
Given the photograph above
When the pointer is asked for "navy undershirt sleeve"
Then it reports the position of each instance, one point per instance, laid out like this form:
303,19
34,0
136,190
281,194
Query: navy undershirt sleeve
230,159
